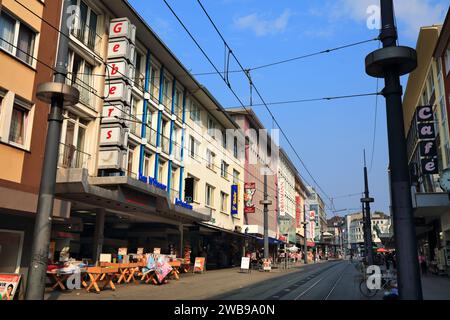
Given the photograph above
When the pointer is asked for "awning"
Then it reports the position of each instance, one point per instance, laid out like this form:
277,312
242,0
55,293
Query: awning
271,240
218,229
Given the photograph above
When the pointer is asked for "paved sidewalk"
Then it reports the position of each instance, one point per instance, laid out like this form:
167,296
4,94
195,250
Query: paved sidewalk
189,287
435,287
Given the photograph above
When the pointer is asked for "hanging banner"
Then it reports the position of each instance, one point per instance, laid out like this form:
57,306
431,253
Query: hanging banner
234,199
282,197
249,192
298,211
8,285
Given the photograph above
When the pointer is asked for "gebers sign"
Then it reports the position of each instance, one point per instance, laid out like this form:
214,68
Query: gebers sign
122,28
120,75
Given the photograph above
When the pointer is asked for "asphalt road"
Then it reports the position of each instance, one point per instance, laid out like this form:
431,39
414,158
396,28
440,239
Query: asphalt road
334,280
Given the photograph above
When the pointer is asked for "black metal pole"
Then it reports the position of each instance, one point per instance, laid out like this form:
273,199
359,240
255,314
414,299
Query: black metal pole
367,217
43,223
410,287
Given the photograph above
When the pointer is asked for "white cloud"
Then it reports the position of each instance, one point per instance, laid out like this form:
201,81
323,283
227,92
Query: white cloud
264,26
411,14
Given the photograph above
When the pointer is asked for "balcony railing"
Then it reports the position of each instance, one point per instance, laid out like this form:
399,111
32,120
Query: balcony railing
86,34
135,125
165,144
71,157
86,94
177,151
139,81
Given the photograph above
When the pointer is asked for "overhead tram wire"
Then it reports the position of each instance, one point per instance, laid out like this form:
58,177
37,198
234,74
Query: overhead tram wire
293,59
256,90
93,91
214,66
204,53
315,99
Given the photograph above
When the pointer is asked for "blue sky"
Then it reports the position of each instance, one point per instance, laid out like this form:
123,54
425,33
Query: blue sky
329,136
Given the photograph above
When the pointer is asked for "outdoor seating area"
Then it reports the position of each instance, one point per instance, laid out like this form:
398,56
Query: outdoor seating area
146,269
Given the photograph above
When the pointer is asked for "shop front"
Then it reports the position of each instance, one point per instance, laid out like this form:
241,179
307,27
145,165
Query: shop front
111,213
432,224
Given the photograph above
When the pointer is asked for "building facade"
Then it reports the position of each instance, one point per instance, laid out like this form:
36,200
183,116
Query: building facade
425,107
24,51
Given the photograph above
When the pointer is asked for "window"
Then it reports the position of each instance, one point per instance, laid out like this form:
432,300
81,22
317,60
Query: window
211,125
139,76
80,76
209,195
224,169
161,172
18,127
146,170
224,139
130,160
211,159
84,27
235,147
192,146
167,93
447,61
73,138
235,177
223,201
194,111
17,38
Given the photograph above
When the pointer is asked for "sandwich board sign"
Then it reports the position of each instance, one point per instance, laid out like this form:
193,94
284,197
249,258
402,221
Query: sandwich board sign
245,264
199,265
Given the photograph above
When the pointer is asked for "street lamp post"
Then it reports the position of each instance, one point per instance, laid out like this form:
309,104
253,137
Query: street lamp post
390,63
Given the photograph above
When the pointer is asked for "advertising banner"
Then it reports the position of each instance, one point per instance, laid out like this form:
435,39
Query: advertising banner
249,192
282,197
234,199
298,211
8,285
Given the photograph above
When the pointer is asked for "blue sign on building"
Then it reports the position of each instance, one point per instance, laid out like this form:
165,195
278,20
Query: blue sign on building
234,199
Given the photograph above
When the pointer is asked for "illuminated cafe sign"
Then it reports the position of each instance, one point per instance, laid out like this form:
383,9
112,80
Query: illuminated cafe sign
426,134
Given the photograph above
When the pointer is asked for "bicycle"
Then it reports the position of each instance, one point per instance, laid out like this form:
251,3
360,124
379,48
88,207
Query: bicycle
387,282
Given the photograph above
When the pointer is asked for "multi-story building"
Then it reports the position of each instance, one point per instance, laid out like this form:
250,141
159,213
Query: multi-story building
317,205
287,206
381,224
442,53
301,211
260,156
139,165
25,51
426,111
335,228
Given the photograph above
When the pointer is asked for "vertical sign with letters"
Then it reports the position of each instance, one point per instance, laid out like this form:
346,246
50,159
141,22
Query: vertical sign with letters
118,87
426,133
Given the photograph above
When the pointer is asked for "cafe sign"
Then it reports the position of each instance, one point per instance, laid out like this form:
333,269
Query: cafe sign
427,140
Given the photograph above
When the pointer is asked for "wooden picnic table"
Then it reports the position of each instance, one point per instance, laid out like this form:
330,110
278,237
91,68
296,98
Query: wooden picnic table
103,274
176,265
59,279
